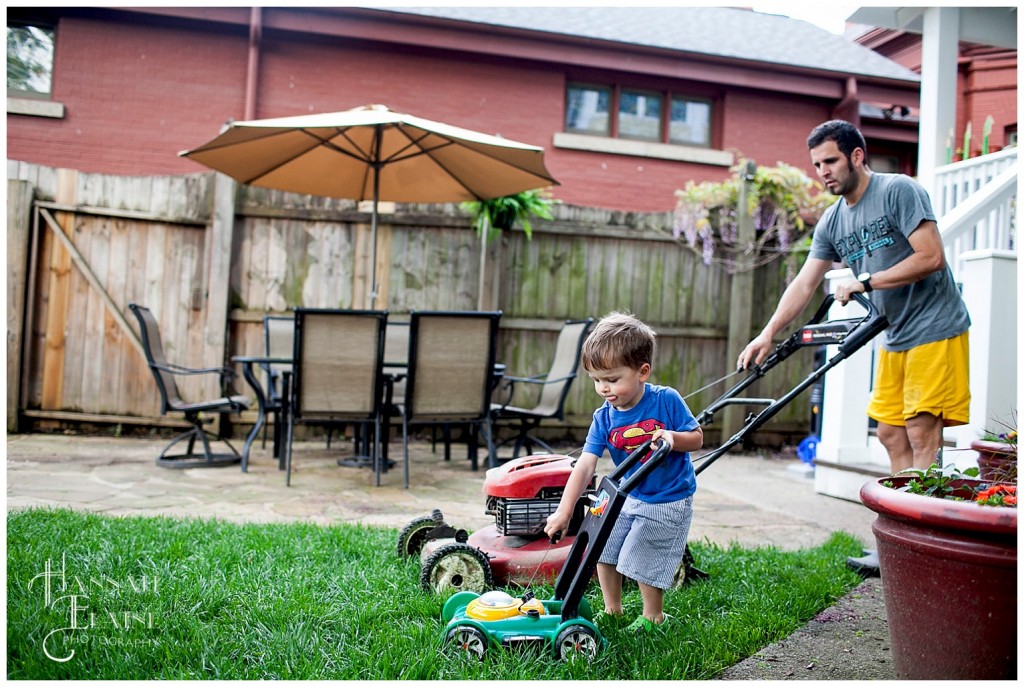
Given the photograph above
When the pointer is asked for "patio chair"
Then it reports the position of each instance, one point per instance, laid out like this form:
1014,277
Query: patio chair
337,373
396,361
450,373
279,342
554,388
164,373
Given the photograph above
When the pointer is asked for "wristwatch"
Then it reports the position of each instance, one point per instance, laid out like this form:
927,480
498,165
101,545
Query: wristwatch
865,279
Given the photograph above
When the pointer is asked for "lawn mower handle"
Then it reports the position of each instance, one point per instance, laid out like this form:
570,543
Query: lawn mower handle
866,329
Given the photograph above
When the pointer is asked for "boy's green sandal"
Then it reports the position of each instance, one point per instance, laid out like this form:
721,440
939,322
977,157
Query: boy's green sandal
642,624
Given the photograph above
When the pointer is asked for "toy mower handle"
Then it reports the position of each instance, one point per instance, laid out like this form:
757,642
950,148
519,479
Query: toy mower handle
657,455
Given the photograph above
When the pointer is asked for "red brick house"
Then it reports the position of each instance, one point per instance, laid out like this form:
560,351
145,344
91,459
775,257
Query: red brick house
986,85
629,104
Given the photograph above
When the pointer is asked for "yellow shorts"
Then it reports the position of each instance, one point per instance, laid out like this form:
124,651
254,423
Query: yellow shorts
931,378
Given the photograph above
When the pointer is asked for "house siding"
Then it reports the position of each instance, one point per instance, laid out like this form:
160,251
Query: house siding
135,95
139,87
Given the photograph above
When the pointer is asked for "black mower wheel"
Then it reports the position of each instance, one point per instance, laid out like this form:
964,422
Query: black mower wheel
576,641
457,568
469,640
413,535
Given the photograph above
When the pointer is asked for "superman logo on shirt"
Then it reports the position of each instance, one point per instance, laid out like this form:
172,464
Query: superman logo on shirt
628,438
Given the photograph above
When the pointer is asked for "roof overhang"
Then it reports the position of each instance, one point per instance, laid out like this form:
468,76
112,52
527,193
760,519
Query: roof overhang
996,26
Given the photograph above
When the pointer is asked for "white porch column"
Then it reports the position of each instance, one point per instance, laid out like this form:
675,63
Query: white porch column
846,456
939,53
990,293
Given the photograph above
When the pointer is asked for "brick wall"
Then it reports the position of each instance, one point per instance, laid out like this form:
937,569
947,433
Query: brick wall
137,93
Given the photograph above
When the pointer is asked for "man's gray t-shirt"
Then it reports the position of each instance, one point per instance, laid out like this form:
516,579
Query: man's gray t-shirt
872,236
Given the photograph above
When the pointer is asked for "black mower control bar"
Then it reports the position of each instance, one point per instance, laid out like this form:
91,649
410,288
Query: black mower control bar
850,335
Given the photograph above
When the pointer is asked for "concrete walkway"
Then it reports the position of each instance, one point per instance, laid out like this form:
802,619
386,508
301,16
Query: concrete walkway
742,498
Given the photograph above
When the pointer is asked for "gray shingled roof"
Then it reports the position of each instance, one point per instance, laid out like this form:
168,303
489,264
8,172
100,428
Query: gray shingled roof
720,31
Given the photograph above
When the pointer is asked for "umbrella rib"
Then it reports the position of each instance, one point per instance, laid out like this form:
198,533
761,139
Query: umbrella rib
448,142
318,141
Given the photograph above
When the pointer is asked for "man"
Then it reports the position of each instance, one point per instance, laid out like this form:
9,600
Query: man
883,228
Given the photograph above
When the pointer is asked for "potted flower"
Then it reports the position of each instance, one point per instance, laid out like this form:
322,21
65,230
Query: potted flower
947,549
997,454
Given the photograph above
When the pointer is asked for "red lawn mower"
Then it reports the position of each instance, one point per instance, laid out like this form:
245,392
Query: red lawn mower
522,493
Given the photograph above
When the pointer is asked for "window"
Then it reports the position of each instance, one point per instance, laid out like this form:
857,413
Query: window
29,60
587,110
626,113
690,122
640,115
887,164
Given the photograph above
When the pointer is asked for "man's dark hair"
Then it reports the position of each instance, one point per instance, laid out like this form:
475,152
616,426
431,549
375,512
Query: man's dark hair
846,136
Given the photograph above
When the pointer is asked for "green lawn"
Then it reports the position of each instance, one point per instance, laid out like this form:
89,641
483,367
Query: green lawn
162,598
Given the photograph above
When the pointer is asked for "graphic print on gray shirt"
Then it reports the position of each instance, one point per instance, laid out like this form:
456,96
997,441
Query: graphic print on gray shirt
872,236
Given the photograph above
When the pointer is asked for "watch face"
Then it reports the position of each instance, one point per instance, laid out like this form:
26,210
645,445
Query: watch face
863,276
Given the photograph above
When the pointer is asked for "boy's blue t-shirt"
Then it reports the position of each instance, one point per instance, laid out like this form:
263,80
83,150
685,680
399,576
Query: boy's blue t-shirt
622,432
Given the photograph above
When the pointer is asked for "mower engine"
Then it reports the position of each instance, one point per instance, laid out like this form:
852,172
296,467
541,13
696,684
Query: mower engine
521,494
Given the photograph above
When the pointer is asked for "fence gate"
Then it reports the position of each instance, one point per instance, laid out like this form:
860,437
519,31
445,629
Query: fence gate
81,358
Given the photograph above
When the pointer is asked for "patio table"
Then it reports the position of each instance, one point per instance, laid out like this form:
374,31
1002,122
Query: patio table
247,362
393,372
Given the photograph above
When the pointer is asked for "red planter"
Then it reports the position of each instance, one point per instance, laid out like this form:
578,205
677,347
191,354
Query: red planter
949,576
994,459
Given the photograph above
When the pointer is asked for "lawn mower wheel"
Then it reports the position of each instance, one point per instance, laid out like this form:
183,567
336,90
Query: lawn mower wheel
468,639
576,641
412,536
457,567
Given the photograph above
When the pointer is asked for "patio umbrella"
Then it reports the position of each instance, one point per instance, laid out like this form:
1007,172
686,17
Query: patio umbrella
374,153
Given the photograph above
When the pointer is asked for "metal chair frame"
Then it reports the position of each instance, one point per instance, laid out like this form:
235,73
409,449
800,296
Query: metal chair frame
164,373
555,385
434,371
274,326
340,365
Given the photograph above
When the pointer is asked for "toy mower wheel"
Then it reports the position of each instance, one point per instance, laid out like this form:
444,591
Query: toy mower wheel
412,536
457,568
576,641
469,640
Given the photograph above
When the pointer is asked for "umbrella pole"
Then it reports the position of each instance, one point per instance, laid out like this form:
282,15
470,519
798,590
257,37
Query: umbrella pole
483,264
373,249
373,222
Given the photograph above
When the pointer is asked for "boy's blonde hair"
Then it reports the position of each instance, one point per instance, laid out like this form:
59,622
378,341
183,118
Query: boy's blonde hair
618,340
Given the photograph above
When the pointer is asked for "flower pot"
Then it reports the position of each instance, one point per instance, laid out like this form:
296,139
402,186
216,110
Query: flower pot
995,459
949,576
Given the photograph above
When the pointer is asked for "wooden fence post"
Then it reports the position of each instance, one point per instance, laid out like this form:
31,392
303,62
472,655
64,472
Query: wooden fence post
218,278
19,222
56,311
741,297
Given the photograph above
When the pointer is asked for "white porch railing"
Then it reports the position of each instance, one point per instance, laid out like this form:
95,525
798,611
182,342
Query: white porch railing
975,202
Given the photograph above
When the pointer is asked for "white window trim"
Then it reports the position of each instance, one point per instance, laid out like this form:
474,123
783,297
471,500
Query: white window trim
663,151
35,108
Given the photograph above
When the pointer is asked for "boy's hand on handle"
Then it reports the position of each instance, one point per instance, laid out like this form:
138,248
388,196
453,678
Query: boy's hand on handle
558,524
659,436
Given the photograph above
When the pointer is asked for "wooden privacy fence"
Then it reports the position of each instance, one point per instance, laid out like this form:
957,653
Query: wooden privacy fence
211,259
